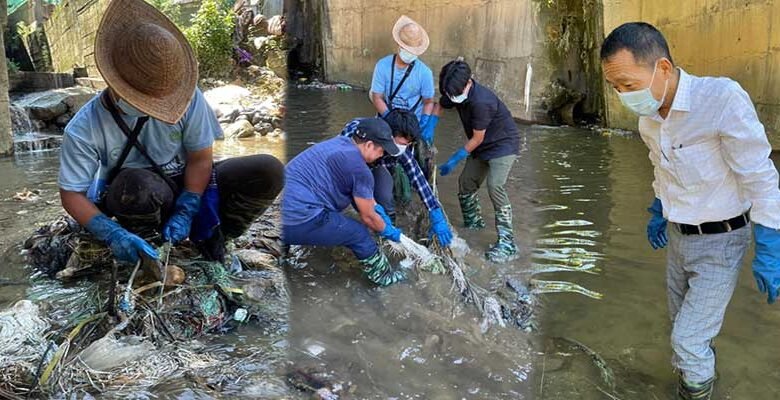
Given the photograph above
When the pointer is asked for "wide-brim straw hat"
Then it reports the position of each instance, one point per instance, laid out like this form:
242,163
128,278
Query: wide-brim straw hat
146,60
411,36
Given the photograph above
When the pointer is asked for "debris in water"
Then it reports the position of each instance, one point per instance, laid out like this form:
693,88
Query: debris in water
540,287
27,195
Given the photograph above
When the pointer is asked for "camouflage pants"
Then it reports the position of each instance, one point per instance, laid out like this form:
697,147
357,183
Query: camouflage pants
141,200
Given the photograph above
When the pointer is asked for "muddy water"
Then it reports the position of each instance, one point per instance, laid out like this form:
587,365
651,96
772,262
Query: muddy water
579,200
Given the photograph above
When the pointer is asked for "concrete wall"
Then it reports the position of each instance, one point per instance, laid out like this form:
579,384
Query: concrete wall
737,39
499,39
71,33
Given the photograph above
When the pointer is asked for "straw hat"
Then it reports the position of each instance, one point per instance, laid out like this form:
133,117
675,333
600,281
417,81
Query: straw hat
410,36
146,60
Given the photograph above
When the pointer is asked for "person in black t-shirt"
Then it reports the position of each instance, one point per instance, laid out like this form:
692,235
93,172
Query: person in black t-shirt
492,147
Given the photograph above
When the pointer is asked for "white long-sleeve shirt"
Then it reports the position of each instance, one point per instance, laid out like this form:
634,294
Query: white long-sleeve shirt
711,155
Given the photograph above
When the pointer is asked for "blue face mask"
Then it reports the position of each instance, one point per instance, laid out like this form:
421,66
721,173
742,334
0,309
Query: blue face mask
406,56
128,109
642,102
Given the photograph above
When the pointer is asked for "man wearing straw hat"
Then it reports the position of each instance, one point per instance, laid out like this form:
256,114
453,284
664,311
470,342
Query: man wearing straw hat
402,81
141,150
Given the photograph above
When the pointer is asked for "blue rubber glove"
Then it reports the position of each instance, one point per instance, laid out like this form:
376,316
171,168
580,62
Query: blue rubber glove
178,226
390,232
428,130
424,121
439,227
447,167
656,227
766,265
125,246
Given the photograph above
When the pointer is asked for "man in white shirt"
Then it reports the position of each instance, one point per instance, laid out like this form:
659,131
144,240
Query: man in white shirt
713,176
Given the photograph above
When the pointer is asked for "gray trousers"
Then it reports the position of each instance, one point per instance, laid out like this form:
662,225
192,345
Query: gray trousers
701,275
496,171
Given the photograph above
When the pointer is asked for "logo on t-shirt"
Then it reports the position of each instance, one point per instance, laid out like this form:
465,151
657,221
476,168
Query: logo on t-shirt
176,136
114,153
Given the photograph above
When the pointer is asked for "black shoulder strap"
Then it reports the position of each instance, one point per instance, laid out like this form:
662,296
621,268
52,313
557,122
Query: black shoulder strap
132,141
392,77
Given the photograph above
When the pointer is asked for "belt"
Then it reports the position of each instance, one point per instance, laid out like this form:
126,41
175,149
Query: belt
709,228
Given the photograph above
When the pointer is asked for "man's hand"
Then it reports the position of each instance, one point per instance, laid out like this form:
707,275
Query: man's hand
656,227
457,157
439,227
178,226
766,264
390,232
127,247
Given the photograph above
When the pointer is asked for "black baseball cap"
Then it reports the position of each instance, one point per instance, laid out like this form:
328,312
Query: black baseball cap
378,131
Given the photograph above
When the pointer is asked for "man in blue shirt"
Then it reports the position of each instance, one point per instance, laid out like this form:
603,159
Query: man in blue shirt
403,81
405,133
328,177
492,147
141,151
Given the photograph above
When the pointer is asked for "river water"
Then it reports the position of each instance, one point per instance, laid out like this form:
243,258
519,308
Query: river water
580,202
579,199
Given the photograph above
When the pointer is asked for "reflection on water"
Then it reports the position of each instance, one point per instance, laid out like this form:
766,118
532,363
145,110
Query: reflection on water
579,200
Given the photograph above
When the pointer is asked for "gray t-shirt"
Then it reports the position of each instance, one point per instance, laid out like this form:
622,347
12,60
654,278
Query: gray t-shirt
93,142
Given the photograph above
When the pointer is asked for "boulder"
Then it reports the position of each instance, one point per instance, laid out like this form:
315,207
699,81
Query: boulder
78,97
225,99
47,106
240,129
263,128
63,120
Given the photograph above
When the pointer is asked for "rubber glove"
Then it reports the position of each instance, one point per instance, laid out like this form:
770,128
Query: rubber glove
429,128
459,155
126,246
656,227
439,227
424,121
390,232
178,226
766,264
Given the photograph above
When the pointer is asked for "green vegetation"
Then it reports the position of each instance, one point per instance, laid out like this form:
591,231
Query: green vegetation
210,36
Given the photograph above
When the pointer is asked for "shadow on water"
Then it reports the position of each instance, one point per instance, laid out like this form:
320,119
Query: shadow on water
580,202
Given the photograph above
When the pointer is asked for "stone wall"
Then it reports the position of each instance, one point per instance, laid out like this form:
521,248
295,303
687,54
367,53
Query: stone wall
737,39
71,33
500,39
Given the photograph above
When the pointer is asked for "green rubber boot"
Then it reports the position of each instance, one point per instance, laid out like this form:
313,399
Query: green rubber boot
505,249
378,270
472,212
694,391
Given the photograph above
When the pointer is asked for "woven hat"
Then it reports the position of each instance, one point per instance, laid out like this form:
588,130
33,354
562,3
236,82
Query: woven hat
410,36
146,60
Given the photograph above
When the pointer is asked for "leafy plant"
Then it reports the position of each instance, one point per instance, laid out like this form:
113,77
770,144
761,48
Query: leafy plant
210,36
169,8
12,66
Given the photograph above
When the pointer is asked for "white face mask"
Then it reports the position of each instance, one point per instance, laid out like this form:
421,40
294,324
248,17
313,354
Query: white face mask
128,109
406,56
642,102
401,147
461,97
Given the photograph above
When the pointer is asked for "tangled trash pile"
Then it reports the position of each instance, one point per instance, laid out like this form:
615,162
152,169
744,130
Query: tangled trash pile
89,327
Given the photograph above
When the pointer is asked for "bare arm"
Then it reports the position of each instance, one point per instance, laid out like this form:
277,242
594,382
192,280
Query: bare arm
78,206
379,102
428,105
369,217
475,141
197,173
